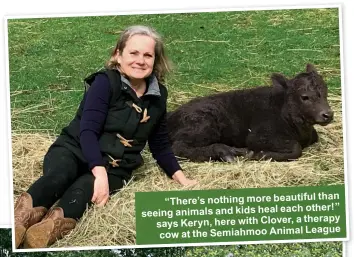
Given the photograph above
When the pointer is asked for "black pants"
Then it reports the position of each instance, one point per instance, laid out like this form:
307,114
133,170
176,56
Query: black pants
66,178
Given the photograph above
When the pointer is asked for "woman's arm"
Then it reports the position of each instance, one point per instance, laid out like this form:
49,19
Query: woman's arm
160,148
92,121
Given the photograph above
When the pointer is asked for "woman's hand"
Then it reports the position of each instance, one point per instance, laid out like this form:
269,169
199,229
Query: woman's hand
101,187
181,178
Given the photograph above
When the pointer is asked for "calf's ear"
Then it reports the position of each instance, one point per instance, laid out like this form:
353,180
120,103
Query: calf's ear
279,81
310,68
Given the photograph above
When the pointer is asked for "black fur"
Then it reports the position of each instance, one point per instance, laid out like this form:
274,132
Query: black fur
268,122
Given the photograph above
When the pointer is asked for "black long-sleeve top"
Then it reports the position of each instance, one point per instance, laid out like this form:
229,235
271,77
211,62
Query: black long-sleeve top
92,121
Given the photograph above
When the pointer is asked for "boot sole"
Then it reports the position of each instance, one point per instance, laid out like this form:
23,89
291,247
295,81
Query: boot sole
38,235
20,232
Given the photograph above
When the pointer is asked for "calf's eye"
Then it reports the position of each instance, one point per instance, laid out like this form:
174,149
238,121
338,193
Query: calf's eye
305,97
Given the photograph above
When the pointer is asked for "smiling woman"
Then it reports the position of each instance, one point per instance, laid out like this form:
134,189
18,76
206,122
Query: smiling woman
136,61
123,108
139,44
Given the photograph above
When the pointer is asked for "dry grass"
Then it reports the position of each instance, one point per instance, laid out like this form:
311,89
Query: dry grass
322,163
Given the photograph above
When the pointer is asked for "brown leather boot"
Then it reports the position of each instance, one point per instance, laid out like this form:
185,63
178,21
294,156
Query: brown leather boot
53,227
26,216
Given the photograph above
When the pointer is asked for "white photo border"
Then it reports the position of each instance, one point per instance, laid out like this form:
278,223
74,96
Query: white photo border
344,104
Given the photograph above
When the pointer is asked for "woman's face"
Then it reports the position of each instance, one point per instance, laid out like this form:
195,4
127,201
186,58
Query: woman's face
137,58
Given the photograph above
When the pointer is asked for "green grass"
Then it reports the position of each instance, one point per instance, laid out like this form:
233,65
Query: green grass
318,249
49,57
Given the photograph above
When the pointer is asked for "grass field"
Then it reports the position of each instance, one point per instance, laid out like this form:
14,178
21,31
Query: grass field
316,249
211,52
324,249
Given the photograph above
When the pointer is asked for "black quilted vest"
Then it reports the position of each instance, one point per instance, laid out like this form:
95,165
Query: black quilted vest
124,135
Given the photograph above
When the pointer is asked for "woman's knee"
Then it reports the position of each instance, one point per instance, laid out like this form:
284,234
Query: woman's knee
83,185
60,164
78,197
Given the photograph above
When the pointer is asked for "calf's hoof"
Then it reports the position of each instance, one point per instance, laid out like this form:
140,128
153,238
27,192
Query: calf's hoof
250,155
228,158
224,152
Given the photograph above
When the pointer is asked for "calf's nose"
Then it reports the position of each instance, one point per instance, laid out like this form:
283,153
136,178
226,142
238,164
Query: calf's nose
327,115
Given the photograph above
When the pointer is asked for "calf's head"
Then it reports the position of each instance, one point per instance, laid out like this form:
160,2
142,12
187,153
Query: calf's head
306,96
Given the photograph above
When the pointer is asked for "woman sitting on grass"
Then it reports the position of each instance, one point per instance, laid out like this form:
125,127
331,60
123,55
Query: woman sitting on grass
123,108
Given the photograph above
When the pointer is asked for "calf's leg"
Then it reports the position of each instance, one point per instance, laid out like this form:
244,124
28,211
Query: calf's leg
199,137
276,149
214,151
